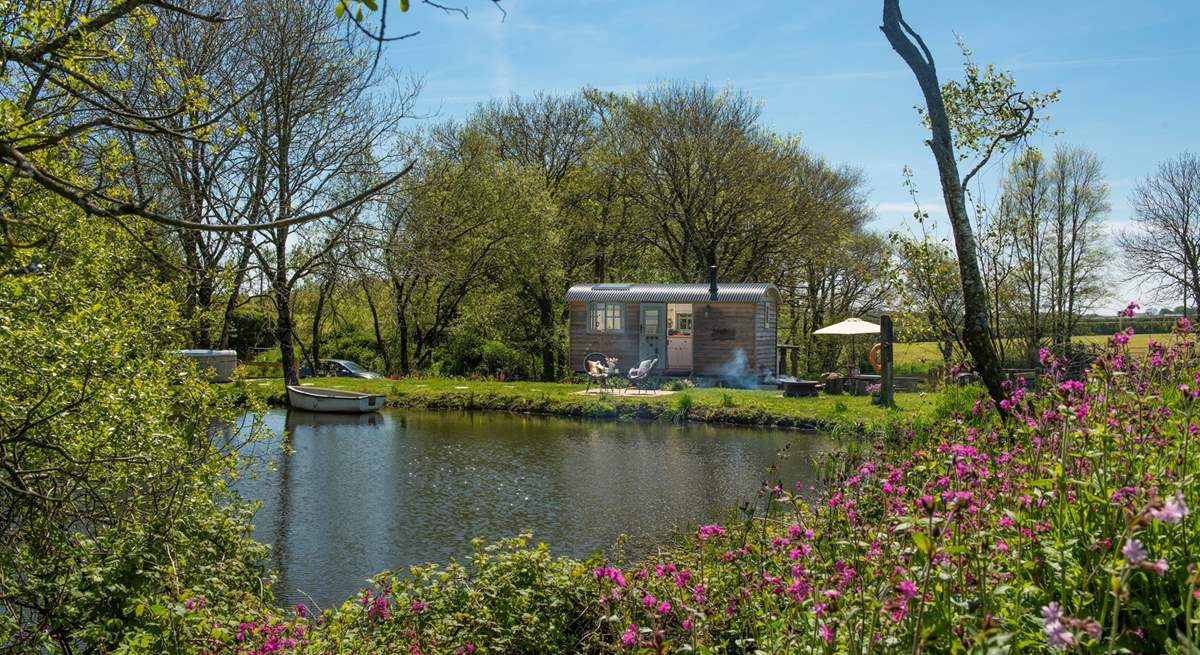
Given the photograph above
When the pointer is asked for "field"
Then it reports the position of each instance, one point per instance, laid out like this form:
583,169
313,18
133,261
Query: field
917,358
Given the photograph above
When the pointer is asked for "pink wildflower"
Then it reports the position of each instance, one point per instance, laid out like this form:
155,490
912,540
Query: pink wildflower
1134,551
1172,511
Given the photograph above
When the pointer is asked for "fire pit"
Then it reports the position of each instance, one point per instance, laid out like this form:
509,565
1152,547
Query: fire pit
800,388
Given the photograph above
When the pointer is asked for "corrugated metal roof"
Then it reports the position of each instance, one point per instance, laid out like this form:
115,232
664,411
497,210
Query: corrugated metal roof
726,292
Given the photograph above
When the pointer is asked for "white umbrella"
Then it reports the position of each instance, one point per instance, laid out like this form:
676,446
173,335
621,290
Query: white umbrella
850,327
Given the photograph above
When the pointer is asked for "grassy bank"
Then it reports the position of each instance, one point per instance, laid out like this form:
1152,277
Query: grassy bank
713,405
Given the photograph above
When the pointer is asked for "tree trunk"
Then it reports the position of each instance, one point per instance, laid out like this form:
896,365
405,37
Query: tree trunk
283,310
549,343
976,333
401,326
323,291
239,277
379,342
204,300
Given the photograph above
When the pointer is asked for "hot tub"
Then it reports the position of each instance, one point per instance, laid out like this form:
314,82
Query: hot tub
221,363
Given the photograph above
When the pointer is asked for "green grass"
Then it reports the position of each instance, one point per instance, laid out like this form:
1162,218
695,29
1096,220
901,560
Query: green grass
715,405
918,357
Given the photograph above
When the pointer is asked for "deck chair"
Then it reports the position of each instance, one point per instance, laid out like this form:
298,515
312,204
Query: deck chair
644,377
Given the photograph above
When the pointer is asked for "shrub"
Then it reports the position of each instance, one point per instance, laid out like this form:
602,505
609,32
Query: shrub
251,330
683,406
497,356
115,457
356,347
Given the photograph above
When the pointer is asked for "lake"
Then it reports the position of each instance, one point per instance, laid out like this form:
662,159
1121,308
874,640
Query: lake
360,494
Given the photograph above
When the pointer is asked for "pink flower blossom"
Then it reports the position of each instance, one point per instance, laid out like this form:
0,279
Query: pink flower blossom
1172,511
1134,552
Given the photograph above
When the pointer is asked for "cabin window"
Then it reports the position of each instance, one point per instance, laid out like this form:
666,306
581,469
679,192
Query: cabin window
766,307
606,317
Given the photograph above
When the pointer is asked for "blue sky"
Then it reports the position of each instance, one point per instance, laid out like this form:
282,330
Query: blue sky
1127,71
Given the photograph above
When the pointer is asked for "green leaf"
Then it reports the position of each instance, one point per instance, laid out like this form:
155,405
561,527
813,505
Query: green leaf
340,9
922,541
403,5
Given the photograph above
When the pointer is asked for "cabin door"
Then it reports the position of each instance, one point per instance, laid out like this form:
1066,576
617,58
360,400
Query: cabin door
653,335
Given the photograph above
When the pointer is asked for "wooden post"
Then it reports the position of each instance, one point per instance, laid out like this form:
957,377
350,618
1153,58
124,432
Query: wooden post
782,359
886,386
795,355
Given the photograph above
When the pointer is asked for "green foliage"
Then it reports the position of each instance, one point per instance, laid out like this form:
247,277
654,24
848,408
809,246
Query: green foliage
251,329
468,354
354,346
508,597
116,455
986,110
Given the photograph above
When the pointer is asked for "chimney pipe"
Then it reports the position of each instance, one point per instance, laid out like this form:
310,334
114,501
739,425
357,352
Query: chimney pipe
712,283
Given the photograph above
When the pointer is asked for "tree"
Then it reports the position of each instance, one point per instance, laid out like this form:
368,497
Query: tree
930,292
114,454
712,186
1164,250
56,57
985,114
1026,208
444,235
1077,255
317,119
549,136
192,178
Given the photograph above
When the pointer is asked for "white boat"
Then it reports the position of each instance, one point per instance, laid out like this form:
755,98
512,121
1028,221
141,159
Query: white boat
316,399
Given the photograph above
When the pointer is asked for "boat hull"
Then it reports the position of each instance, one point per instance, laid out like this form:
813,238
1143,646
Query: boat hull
333,401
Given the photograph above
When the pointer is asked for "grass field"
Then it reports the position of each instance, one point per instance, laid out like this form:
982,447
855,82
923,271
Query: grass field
716,405
913,358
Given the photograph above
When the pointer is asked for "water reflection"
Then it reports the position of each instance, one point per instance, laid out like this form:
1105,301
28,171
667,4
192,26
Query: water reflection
360,494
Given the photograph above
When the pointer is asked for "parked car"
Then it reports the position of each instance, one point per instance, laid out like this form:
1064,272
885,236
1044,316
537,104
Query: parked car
347,369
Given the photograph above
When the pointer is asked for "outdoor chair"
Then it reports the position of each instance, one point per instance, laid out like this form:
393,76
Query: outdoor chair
597,370
644,376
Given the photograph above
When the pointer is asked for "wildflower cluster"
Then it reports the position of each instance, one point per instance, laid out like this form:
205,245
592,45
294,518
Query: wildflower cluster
1064,527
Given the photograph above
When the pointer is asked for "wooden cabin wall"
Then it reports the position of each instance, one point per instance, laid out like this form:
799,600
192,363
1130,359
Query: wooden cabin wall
622,345
717,336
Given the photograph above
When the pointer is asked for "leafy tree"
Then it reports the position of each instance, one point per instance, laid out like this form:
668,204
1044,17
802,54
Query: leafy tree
316,121
707,179
115,455
58,58
445,236
548,137
982,115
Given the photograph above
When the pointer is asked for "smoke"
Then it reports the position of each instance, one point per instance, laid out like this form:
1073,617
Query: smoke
736,372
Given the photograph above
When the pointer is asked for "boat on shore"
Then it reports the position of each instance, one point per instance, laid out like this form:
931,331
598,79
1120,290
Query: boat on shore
334,401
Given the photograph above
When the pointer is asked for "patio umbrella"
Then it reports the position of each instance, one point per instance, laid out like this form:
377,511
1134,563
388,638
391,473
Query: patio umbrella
850,327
